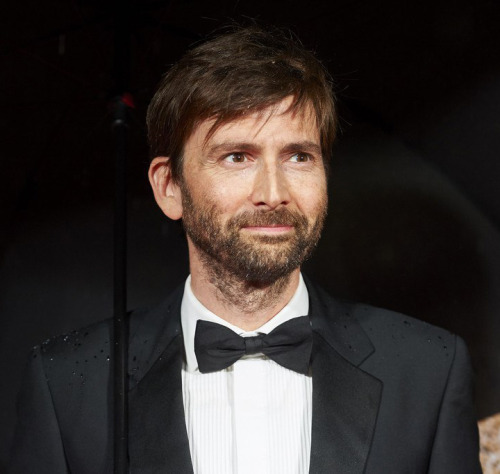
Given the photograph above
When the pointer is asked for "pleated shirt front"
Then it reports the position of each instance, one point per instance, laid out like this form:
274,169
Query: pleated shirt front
253,417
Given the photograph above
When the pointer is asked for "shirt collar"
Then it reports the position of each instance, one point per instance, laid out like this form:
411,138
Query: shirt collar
192,310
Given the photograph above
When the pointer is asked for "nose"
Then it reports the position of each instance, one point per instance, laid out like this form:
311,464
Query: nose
270,189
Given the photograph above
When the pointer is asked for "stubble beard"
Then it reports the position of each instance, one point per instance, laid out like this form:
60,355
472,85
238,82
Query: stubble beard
250,270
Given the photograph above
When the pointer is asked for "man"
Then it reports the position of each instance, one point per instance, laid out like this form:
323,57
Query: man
251,368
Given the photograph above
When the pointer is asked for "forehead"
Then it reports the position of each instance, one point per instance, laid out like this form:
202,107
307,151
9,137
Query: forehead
277,124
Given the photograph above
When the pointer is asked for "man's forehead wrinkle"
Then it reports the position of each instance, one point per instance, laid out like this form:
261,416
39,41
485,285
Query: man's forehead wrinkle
298,110
257,126
265,115
306,134
304,111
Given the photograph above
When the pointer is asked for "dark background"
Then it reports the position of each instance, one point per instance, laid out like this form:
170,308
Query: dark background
415,200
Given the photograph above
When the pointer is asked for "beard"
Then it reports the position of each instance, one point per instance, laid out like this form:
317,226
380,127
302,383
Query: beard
253,258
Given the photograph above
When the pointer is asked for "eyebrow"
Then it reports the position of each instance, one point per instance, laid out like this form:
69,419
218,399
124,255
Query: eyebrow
305,146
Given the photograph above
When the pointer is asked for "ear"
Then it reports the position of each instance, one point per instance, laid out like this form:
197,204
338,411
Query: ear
167,193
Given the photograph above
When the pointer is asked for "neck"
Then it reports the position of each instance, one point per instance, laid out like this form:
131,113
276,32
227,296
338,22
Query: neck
245,304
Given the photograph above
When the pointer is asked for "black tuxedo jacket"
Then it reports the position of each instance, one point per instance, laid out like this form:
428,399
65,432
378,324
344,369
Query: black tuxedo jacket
391,395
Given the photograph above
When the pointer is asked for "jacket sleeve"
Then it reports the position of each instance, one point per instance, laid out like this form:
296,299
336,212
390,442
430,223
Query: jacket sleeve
456,443
37,446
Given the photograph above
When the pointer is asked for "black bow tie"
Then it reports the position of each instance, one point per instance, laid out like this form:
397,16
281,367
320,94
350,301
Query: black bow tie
289,345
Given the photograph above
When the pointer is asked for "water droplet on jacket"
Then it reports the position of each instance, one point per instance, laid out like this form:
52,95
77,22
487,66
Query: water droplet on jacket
135,358
107,358
445,347
429,340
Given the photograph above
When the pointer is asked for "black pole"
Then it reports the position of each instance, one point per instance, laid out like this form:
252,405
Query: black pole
120,326
120,323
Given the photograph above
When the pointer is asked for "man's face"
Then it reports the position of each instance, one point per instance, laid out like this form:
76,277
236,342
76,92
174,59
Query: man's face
254,194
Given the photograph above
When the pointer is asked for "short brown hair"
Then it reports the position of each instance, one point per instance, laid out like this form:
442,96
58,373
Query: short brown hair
240,72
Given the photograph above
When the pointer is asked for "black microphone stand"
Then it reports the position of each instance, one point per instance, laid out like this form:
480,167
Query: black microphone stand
121,104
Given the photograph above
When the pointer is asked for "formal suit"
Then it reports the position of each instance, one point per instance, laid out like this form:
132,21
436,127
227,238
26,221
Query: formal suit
391,395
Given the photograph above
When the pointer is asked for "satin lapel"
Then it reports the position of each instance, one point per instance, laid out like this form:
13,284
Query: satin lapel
345,398
345,407
158,441
158,437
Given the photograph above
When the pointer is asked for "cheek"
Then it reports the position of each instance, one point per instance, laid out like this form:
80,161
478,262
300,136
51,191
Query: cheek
227,198
315,203
230,192
310,194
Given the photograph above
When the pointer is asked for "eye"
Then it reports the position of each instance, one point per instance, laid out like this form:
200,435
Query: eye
301,158
236,157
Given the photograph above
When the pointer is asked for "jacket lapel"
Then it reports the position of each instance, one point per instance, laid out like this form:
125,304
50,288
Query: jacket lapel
158,441
345,398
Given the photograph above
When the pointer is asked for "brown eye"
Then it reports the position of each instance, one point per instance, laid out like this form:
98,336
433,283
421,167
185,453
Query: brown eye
300,158
236,158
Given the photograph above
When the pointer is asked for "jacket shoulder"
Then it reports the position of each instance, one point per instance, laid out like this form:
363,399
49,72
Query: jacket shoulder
95,341
89,341
386,326
394,336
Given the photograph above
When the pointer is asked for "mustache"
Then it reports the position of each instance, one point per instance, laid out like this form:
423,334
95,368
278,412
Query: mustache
284,217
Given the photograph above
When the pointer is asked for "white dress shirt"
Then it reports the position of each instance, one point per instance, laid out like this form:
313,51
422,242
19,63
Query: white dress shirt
253,417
